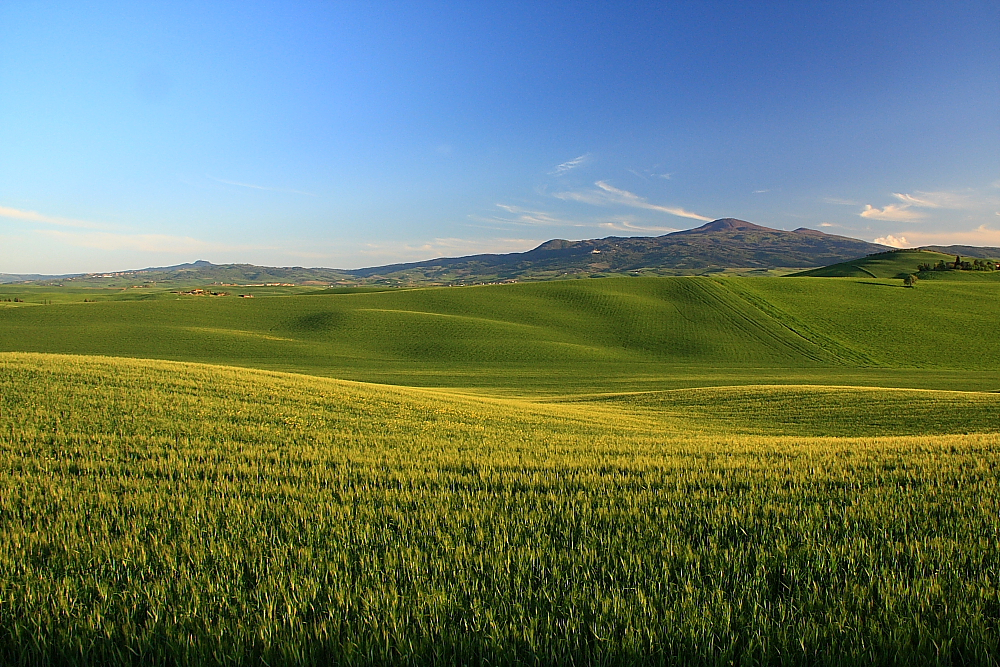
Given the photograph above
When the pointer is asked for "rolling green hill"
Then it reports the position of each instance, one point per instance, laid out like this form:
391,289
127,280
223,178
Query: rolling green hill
683,470
891,264
597,335
900,263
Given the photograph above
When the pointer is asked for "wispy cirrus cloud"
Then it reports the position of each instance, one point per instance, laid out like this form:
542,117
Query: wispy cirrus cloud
525,216
646,174
840,202
941,199
531,217
35,216
625,226
100,236
155,243
892,212
980,236
262,187
569,165
911,200
608,195
444,247
916,206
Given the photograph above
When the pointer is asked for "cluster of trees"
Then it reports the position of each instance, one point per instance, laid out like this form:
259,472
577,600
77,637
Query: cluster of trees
959,265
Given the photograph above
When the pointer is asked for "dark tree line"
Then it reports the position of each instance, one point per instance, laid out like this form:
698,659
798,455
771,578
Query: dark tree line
959,265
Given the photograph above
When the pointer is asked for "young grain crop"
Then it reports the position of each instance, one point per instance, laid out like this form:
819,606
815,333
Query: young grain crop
164,513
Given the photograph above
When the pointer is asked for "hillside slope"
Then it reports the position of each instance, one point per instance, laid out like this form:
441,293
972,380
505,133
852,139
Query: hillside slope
564,322
890,264
563,334
900,263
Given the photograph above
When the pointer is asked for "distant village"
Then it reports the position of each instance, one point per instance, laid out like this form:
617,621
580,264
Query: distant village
198,291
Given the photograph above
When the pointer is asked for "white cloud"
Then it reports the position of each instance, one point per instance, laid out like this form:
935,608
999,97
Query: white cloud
840,202
34,216
980,236
647,173
827,224
444,247
892,212
570,164
625,226
895,242
951,200
967,200
261,187
159,243
524,216
760,192
607,195
922,201
528,217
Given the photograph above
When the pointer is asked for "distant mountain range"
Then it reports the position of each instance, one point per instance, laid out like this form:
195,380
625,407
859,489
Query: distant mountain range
196,272
722,245
975,252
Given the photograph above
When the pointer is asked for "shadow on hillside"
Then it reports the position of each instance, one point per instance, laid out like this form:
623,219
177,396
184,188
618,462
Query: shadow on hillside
865,282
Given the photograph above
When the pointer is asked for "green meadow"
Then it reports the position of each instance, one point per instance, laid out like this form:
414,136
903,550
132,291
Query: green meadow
611,334
899,263
607,471
890,264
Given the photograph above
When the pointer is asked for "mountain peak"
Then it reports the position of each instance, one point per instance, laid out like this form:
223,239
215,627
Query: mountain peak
726,225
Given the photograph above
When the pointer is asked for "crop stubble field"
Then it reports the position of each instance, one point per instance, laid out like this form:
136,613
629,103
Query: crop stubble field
165,512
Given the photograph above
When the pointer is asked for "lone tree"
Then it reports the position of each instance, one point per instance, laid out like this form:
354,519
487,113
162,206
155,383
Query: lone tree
909,280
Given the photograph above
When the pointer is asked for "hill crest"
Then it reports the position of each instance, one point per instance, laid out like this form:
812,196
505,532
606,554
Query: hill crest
725,225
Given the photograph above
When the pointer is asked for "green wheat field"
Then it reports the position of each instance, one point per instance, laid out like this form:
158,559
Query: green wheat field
619,471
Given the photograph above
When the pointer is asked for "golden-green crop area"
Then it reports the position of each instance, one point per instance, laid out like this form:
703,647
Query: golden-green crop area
613,471
157,512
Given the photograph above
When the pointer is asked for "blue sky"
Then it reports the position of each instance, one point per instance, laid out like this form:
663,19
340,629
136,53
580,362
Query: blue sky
355,134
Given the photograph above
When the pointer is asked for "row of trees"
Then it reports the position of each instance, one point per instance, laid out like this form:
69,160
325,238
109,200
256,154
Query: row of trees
959,265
